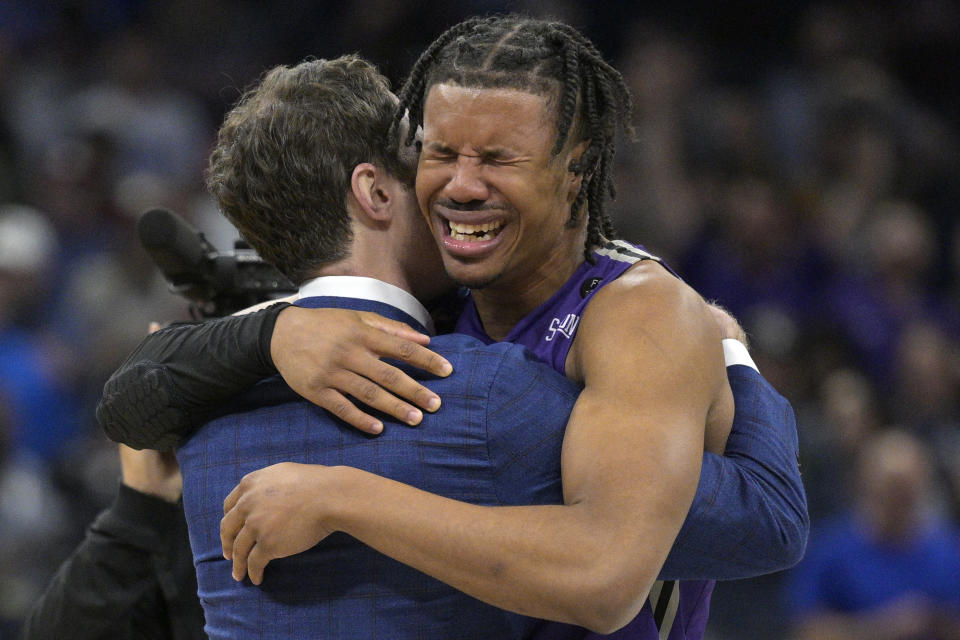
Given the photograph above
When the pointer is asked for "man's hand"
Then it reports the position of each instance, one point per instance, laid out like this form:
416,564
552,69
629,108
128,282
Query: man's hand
152,472
274,512
326,355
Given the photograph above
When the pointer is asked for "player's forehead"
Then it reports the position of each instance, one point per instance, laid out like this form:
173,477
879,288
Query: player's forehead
486,117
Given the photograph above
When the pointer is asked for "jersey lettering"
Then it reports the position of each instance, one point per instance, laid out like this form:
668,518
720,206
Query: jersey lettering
567,328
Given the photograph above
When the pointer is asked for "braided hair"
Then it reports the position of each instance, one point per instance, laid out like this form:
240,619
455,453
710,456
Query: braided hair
547,58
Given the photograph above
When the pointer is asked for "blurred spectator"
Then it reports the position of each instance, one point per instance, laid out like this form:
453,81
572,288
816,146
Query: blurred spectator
844,415
927,378
924,398
34,521
889,568
872,302
152,126
38,411
658,202
758,256
72,184
39,403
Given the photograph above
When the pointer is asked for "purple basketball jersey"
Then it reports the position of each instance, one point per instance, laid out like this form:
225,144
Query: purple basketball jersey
675,610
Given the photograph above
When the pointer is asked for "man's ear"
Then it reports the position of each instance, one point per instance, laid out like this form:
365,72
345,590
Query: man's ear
369,187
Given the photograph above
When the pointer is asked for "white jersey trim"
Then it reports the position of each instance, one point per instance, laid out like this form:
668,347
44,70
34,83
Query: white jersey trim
624,252
668,609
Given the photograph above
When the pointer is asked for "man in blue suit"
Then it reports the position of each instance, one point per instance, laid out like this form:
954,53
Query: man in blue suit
385,242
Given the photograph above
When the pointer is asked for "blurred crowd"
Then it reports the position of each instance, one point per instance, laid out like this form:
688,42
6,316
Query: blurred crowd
797,162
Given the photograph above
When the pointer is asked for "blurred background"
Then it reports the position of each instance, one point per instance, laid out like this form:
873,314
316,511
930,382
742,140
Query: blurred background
799,162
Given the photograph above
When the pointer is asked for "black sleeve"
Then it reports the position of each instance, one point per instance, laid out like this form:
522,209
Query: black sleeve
175,379
117,584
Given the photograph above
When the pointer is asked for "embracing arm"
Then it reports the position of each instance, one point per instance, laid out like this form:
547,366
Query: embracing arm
749,516
178,376
630,467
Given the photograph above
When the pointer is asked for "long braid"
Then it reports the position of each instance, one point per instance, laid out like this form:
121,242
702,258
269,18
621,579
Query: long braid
588,164
594,189
547,58
569,89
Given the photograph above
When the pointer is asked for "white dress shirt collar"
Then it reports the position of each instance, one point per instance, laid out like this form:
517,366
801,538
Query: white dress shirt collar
368,289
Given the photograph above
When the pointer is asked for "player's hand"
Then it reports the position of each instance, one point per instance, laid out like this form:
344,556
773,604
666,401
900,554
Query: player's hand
152,472
326,355
729,327
274,512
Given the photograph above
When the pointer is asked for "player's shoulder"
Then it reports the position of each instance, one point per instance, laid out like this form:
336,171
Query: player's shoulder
649,311
647,288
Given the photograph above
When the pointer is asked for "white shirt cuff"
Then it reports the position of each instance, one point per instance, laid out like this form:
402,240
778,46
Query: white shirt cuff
735,352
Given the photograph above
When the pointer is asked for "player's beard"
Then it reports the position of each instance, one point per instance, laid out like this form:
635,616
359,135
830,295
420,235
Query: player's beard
474,283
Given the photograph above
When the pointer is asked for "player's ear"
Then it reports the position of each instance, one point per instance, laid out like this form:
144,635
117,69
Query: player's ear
369,187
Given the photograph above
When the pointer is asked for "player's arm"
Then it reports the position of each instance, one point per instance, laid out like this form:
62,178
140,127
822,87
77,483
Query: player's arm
630,467
178,376
749,515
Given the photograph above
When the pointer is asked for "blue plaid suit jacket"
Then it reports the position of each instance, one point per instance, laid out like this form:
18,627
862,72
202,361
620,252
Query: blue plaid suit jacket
495,441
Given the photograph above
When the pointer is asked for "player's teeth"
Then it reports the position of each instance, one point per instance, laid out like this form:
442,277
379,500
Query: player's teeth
459,227
474,232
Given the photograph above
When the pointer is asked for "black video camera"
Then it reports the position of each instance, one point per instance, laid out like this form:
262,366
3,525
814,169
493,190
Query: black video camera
217,284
